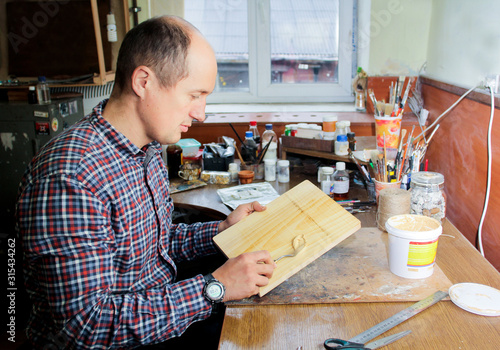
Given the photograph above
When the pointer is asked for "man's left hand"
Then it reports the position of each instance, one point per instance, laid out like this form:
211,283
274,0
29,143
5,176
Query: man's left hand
239,213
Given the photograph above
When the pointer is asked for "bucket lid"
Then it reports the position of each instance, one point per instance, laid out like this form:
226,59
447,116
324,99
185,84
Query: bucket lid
411,226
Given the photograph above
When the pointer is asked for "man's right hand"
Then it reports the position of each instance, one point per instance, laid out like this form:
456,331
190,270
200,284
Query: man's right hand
242,276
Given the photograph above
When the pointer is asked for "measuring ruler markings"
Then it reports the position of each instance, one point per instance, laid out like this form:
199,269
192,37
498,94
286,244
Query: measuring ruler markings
398,318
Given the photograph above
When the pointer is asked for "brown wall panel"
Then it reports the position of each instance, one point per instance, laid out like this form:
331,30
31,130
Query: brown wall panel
459,151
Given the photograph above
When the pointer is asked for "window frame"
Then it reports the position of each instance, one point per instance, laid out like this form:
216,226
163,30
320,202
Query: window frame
261,90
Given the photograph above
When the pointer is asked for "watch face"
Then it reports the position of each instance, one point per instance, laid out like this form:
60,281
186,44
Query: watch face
215,291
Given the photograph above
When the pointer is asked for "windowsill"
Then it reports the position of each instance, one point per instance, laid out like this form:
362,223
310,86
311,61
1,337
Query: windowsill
291,114
280,108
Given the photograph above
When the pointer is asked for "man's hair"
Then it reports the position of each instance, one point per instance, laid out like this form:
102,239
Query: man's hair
160,43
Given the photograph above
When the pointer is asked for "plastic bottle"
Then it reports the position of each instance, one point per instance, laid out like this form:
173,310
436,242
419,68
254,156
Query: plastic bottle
249,148
329,123
272,150
255,132
340,182
341,145
347,124
32,99
329,127
327,180
351,138
340,129
43,91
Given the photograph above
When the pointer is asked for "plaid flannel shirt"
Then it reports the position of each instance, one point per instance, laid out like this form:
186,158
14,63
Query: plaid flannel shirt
94,219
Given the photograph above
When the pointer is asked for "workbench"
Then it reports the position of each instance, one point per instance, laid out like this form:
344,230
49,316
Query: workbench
306,326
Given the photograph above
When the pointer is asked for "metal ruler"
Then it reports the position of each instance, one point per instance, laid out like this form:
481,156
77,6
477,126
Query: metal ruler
398,318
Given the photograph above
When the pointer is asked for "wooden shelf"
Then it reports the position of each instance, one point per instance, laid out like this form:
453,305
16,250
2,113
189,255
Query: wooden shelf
362,142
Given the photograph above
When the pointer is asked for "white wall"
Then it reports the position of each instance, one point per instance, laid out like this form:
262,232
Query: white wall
458,40
398,35
464,41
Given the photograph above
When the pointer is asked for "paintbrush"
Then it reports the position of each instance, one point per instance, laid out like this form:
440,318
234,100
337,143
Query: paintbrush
385,150
406,149
263,153
374,100
351,155
388,109
239,155
407,91
382,170
400,89
238,136
398,155
380,108
374,159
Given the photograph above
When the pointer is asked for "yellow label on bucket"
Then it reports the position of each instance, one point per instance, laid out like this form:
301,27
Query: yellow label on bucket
422,254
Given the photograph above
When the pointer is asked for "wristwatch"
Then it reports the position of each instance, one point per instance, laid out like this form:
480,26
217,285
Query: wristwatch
213,290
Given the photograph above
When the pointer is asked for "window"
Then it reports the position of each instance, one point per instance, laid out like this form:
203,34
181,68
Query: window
278,50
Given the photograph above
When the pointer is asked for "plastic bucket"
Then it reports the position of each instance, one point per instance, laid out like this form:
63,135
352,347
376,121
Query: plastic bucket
413,241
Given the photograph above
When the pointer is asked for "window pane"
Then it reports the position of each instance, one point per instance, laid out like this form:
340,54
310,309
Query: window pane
225,25
304,41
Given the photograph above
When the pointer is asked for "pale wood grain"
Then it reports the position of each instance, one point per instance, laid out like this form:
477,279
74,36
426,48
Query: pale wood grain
303,210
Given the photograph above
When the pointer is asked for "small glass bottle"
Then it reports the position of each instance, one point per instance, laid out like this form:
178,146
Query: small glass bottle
351,138
43,91
360,100
174,160
341,145
233,170
272,150
327,180
283,171
32,99
340,182
255,132
427,194
249,148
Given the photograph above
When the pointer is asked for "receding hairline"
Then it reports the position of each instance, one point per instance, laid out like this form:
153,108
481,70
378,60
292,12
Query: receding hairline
186,26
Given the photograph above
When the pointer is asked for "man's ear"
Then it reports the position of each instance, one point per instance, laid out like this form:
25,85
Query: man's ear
141,80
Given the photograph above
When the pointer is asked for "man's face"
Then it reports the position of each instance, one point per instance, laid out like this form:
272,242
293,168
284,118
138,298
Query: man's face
170,112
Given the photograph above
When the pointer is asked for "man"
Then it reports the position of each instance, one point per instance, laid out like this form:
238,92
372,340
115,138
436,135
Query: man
94,214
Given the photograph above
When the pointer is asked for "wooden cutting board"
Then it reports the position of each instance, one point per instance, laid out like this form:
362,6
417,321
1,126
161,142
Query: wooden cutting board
303,210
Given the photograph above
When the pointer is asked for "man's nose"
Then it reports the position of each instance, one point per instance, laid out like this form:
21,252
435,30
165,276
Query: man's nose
198,112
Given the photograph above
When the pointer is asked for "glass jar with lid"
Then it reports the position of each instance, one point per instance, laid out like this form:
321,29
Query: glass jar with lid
427,194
